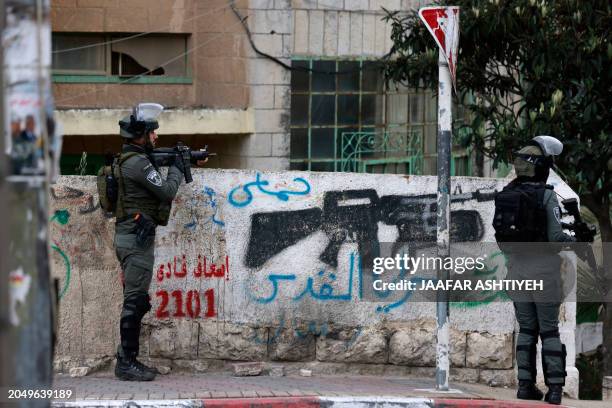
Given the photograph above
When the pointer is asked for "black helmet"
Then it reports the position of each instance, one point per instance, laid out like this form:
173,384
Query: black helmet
142,120
536,159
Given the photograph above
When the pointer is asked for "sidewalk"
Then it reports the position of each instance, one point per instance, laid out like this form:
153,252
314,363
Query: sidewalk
223,390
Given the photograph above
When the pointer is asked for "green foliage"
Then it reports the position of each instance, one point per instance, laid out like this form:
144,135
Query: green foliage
526,68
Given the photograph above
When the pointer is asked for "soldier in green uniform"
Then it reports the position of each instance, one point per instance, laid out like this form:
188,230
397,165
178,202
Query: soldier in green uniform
144,202
527,211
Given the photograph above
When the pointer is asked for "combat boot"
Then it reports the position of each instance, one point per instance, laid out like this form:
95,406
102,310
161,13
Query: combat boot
554,394
128,369
527,390
147,368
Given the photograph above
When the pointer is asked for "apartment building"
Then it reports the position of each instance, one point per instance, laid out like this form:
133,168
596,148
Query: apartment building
267,84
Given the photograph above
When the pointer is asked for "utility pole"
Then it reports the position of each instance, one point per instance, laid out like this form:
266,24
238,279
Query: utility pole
27,321
443,24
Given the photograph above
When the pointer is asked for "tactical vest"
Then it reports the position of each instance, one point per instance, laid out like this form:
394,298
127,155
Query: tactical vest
135,203
109,184
520,214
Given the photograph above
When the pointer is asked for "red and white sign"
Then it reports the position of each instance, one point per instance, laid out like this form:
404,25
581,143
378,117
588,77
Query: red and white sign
443,24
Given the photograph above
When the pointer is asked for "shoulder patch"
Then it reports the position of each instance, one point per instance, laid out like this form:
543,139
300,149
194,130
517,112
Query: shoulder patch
557,212
154,178
149,165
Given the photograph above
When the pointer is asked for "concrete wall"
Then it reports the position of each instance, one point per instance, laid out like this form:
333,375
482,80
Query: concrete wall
238,272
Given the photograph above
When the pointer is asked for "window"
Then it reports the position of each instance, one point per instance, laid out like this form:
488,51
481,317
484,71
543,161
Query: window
335,97
335,104
114,58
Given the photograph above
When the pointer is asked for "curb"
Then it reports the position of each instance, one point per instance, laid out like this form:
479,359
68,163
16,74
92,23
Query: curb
308,402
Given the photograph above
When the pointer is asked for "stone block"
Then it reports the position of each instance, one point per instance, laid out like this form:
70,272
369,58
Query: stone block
280,144
410,5
79,371
356,47
265,72
330,34
117,19
291,345
231,342
271,22
282,4
178,340
282,97
261,4
380,31
330,4
163,370
356,4
300,36
315,32
271,120
262,96
305,373
390,5
276,371
458,345
256,145
303,4
344,33
369,33
485,350
353,345
498,378
247,369
77,19
414,345
271,44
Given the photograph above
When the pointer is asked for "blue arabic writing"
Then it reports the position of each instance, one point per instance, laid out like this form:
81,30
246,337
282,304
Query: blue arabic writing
282,195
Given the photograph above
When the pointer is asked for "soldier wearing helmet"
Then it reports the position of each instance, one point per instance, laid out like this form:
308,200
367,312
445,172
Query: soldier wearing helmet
143,202
527,211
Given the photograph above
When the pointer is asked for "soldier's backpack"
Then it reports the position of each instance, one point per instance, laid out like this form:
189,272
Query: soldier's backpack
109,182
520,215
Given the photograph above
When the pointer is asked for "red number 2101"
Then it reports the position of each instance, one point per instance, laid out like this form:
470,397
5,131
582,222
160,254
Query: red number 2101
192,303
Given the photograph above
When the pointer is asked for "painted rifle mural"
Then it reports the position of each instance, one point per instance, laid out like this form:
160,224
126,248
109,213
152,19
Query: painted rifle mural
354,214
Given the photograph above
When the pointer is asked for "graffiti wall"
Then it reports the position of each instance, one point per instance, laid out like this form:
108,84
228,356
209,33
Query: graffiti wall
269,266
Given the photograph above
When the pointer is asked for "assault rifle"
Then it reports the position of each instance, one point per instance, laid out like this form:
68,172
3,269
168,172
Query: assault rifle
166,156
585,234
354,215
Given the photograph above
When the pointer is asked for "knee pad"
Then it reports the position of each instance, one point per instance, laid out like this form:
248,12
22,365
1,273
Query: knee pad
142,303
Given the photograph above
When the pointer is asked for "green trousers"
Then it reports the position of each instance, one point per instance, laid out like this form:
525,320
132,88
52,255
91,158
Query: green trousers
539,319
137,265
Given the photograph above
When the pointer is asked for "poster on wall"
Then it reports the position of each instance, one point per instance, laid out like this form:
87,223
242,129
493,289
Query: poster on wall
31,137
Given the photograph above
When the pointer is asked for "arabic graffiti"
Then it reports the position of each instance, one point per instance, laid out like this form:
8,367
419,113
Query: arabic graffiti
203,269
325,290
355,214
282,195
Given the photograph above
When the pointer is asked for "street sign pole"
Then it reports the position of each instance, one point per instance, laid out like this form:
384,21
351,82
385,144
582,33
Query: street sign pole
443,219
443,24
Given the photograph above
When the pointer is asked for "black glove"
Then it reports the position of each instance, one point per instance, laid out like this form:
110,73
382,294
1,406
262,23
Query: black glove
178,163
